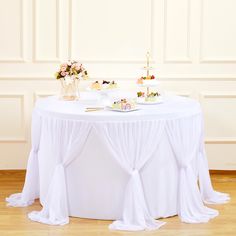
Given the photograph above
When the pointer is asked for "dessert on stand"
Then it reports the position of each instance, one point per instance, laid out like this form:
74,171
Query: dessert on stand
151,98
104,85
95,86
148,81
121,105
103,89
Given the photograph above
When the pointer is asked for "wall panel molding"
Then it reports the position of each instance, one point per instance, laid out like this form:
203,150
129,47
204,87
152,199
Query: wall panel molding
43,94
22,137
164,77
186,94
187,57
36,57
220,140
207,59
215,94
218,95
20,59
26,78
149,48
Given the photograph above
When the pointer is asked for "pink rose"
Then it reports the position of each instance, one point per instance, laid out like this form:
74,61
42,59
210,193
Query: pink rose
63,68
77,68
63,73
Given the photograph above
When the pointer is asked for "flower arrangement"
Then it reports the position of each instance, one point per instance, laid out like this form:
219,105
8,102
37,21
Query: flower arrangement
71,70
69,75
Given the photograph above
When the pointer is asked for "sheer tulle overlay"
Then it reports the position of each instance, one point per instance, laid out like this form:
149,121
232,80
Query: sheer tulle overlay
132,144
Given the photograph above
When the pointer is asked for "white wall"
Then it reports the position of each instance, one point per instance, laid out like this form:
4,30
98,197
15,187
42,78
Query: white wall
192,43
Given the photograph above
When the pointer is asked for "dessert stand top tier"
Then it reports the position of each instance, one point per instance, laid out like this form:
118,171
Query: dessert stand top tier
149,83
147,68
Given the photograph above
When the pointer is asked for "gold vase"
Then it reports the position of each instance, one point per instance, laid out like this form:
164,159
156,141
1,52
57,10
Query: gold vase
69,89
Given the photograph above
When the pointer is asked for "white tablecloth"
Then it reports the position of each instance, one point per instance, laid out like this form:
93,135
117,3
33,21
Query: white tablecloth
129,167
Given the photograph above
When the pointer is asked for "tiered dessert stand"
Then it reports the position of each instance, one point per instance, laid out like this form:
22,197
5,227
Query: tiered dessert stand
149,83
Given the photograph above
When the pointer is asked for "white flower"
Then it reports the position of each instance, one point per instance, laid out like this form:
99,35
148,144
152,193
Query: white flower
68,80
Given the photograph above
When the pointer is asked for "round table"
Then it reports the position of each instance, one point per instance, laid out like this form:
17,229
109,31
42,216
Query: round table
132,167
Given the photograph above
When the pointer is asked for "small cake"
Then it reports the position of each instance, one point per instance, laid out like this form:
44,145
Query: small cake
112,85
104,85
105,82
140,80
150,79
152,97
96,86
140,96
123,105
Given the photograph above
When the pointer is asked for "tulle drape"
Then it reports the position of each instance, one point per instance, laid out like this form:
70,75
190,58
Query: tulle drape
30,190
132,145
209,195
185,138
66,139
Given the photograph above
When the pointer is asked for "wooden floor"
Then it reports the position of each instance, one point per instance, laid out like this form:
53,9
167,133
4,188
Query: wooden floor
14,221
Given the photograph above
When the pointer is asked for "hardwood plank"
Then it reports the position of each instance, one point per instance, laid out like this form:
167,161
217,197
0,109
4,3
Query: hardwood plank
14,221
223,172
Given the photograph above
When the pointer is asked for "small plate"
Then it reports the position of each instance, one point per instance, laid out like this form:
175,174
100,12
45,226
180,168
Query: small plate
150,103
102,90
119,110
149,83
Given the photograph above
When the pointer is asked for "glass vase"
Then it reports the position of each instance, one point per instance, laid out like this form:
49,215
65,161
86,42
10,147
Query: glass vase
69,89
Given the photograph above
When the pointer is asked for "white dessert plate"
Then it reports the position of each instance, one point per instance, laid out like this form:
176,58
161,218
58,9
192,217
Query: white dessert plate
89,89
119,110
150,103
147,68
149,83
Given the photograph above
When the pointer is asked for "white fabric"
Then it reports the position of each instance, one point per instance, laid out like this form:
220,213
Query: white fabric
30,190
209,195
128,143
172,108
66,145
71,166
184,137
